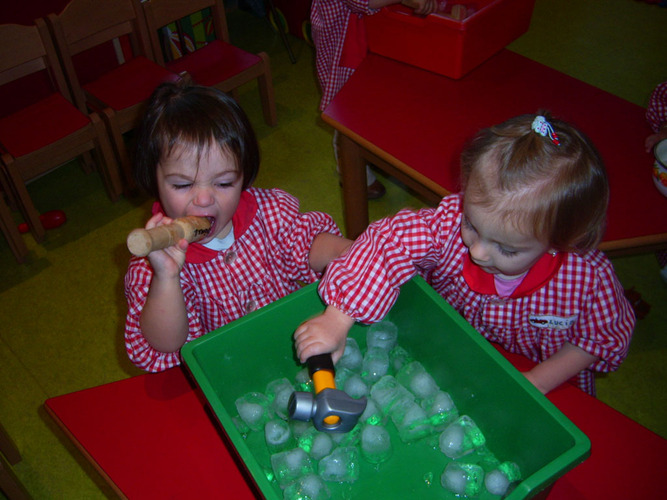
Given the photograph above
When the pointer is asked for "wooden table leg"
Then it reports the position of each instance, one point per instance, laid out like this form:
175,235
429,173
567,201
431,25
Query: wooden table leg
9,455
353,178
8,448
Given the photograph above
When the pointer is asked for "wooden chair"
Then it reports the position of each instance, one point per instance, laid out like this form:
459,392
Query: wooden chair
119,95
12,234
48,132
216,64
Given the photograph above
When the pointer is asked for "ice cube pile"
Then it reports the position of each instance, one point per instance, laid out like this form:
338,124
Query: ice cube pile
401,393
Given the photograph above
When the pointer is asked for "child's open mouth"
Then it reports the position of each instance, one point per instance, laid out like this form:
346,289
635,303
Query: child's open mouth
211,221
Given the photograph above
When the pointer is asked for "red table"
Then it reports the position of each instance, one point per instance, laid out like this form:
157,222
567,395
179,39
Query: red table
413,124
151,436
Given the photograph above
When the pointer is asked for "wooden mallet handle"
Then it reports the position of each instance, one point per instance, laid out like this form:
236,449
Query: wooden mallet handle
141,242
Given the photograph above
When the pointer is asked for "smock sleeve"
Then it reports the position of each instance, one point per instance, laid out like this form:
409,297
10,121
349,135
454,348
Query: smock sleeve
366,281
293,233
141,353
607,322
656,112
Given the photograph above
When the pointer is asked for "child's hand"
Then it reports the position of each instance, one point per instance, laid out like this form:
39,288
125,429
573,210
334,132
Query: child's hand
166,263
322,334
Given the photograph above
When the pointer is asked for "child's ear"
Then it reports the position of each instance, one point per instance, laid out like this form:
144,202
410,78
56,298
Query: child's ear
552,252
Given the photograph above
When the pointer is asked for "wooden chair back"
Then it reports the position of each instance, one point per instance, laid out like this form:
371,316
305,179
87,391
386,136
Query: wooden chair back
119,94
218,63
160,13
85,24
27,50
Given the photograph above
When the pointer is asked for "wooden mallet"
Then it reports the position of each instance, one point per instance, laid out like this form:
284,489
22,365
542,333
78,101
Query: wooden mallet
141,242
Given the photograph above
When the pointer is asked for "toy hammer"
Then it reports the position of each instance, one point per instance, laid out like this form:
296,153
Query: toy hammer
141,242
331,409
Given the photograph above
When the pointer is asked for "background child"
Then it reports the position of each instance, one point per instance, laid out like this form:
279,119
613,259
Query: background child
514,253
197,153
656,116
339,37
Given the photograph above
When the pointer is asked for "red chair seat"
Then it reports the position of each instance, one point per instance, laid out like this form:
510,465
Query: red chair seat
39,125
129,83
214,63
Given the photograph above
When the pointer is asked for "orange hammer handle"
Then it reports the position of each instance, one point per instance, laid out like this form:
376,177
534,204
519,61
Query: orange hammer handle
141,242
322,372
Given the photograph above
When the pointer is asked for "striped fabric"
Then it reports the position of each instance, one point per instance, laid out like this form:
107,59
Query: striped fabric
329,20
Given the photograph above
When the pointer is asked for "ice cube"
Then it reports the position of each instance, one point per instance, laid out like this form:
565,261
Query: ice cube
375,444
241,426
305,440
253,408
303,381
350,438
387,392
299,427
461,437
290,465
317,444
398,357
415,378
411,421
440,409
278,435
383,335
375,364
497,481
372,414
309,487
342,465
463,479
356,387
322,446
352,356
279,391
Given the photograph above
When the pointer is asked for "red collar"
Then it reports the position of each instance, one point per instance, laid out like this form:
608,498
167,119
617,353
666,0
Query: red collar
539,275
241,220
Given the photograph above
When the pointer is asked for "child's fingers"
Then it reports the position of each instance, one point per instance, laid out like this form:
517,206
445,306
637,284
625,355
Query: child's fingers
301,329
310,347
154,220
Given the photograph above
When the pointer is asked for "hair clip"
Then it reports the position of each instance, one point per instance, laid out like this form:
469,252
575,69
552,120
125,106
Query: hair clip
544,128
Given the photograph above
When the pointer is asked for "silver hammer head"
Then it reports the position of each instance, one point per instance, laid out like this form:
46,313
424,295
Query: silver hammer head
326,404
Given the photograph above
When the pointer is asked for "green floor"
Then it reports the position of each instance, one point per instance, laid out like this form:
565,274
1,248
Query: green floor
62,311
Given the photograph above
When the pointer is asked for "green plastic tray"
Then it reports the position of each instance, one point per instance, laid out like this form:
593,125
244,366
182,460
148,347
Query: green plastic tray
519,423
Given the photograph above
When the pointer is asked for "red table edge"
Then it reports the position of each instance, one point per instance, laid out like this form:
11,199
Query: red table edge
564,392
83,450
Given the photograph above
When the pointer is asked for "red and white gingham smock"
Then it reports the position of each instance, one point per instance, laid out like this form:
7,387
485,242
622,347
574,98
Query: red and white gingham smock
570,297
329,21
265,263
656,112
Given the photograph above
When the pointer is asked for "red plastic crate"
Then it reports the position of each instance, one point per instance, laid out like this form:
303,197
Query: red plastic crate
443,45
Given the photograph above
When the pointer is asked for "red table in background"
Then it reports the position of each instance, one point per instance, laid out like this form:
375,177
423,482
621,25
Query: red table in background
413,124
152,436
